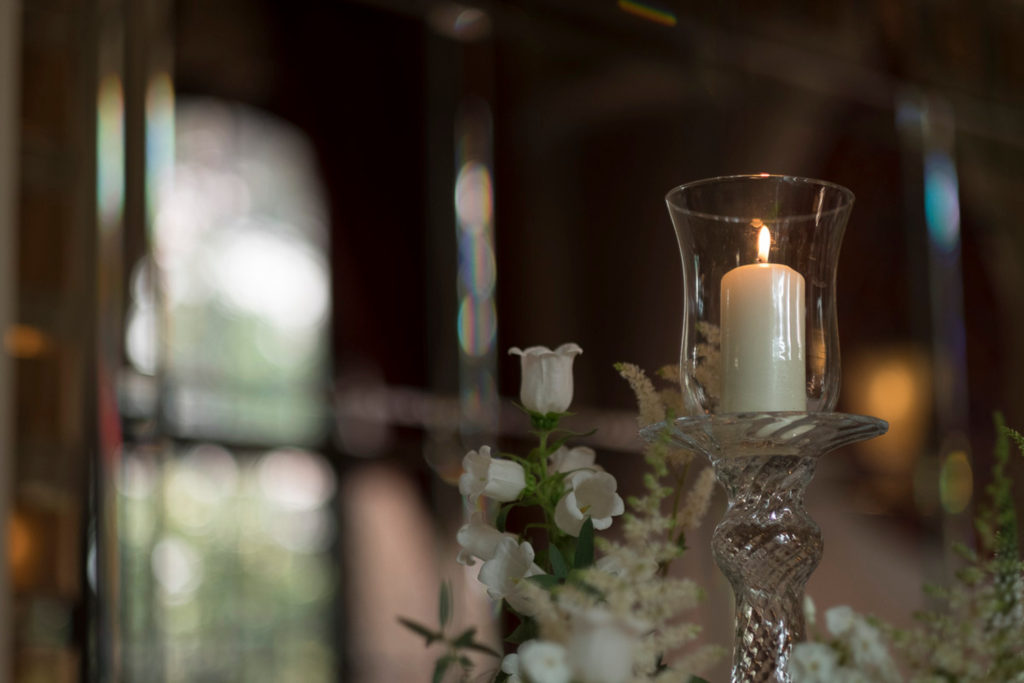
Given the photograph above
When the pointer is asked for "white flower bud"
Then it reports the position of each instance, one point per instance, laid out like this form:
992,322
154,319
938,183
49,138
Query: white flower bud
546,377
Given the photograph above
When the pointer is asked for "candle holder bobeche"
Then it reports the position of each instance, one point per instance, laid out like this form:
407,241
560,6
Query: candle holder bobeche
759,374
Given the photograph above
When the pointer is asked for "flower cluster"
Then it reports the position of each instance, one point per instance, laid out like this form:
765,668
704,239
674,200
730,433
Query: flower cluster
563,482
618,619
974,636
589,609
856,652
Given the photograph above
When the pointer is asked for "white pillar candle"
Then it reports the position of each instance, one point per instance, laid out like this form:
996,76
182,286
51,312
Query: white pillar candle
763,365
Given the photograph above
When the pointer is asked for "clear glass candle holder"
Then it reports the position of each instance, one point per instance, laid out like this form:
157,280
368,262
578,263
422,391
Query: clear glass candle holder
760,255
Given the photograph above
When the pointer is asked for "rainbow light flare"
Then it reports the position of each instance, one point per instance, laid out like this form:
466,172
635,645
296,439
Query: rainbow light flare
159,139
110,152
648,12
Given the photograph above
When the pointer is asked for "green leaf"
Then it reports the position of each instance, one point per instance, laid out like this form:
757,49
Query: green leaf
585,546
465,638
562,440
444,603
526,630
545,581
558,566
503,517
441,667
431,636
480,647
546,422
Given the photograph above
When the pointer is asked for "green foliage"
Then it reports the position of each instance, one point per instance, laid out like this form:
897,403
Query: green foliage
558,566
585,546
444,604
526,630
997,520
454,654
544,423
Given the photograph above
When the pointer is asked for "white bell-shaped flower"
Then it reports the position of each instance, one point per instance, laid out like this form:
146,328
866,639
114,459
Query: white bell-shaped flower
592,494
497,478
569,460
478,540
512,562
546,385
544,662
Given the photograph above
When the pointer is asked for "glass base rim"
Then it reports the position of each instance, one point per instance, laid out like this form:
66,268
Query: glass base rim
783,433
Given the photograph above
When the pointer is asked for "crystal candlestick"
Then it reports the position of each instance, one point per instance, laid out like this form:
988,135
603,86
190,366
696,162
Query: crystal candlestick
759,375
766,544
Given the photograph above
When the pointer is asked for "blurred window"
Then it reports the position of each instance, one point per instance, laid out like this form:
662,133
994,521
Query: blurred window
227,541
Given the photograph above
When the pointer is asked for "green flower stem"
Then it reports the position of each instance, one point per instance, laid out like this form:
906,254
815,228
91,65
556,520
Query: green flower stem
677,496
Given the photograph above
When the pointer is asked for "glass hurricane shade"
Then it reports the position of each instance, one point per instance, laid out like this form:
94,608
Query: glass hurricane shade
759,256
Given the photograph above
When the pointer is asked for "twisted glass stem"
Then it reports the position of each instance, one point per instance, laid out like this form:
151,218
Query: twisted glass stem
767,546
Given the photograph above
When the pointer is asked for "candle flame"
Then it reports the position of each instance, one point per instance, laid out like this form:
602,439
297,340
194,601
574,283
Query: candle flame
764,243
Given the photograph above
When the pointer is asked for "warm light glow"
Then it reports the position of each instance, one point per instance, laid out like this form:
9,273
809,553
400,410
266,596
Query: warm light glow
892,391
26,341
894,384
20,548
764,243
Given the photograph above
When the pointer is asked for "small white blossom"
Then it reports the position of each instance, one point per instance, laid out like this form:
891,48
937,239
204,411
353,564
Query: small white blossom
601,646
839,620
510,665
847,675
544,662
478,540
611,565
869,652
813,663
810,612
546,377
569,460
863,641
512,562
592,494
497,478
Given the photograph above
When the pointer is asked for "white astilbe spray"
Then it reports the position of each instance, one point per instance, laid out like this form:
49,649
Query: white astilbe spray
670,396
652,408
696,506
706,371
975,635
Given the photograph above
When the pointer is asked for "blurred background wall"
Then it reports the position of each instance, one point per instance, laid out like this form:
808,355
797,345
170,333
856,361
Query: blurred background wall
261,262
